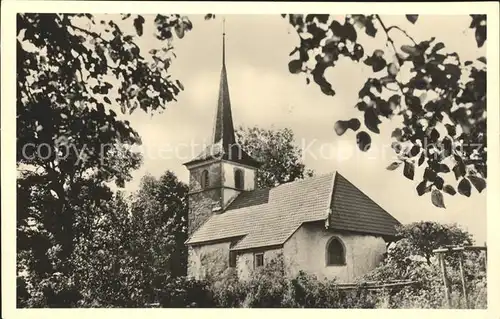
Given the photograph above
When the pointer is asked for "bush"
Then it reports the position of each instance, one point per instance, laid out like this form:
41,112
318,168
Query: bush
429,293
184,292
55,291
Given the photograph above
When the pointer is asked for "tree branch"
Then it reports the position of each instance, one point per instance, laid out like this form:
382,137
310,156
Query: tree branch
404,32
386,33
93,34
386,30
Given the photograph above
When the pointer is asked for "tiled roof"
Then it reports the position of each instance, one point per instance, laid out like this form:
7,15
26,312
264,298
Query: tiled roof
267,217
352,210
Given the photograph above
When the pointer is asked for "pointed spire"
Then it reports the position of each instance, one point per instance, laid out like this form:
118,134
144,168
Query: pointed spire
224,141
223,129
224,43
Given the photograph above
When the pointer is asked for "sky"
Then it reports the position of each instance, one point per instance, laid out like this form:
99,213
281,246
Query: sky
264,93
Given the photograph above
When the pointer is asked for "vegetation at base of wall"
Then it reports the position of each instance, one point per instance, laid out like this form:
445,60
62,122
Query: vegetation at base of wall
408,259
105,282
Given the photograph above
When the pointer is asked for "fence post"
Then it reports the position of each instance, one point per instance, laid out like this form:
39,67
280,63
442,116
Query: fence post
445,281
462,276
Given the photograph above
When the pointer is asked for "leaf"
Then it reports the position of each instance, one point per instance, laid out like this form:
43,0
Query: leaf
482,59
372,120
464,187
439,182
370,29
358,52
409,170
429,174
397,134
449,190
437,198
412,18
411,50
421,159
350,32
459,170
138,23
392,69
293,51
480,35
414,150
443,168
364,141
179,84
179,31
106,99
353,124
295,66
54,194
479,183
393,166
438,46
413,103
340,127
361,106
422,188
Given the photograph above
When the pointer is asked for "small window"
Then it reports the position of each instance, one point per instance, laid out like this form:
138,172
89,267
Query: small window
232,259
239,181
335,252
259,260
204,179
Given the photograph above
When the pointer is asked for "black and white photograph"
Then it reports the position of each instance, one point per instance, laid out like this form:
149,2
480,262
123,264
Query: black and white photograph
235,159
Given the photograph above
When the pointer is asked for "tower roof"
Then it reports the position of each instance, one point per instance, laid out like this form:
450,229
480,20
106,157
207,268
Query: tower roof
224,128
224,144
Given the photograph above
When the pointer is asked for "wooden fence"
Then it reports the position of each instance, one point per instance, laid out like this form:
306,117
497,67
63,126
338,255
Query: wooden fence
459,250
375,285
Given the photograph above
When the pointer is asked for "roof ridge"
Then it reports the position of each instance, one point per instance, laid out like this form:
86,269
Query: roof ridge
304,179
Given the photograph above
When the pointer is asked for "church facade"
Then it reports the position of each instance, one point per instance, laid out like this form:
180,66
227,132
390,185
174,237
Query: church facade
322,225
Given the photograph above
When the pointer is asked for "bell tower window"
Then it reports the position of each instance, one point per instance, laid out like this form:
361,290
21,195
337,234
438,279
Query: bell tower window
205,182
239,179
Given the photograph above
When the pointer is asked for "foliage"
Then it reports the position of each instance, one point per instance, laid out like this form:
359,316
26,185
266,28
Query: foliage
186,292
281,158
422,237
159,219
129,251
442,104
410,259
269,287
70,142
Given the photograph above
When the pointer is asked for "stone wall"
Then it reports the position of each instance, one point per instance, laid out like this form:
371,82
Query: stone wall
306,250
208,261
214,172
202,201
245,260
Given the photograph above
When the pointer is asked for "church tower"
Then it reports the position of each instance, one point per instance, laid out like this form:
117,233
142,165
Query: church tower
222,170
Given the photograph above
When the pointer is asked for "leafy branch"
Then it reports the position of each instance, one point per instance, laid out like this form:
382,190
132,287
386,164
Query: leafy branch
457,106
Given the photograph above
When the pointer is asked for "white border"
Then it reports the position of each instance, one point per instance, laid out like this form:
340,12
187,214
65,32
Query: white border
8,171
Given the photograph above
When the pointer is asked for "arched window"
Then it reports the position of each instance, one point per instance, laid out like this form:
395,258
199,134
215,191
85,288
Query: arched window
335,252
239,181
204,179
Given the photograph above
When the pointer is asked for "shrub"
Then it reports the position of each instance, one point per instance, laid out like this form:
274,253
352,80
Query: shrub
184,292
